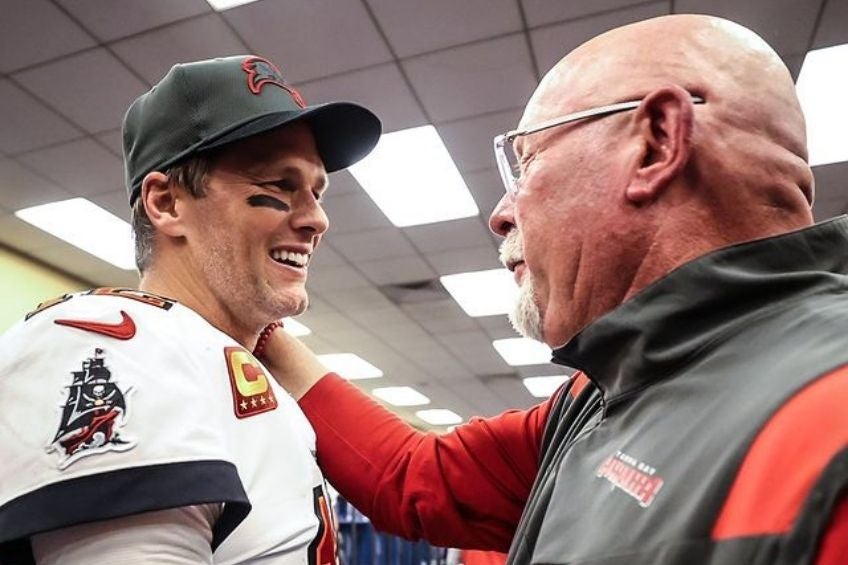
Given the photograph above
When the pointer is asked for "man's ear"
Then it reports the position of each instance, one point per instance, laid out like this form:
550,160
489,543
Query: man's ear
664,125
161,201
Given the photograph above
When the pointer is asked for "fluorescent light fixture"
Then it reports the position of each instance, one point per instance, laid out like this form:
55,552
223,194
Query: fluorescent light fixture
823,90
522,351
543,387
350,366
400,396
483,293
221,5
439,416
87,226
410,175
295,328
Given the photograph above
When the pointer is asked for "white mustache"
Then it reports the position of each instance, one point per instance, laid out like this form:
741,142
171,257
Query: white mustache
512,248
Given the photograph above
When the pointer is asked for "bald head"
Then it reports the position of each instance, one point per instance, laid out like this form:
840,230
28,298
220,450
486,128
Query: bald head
751,105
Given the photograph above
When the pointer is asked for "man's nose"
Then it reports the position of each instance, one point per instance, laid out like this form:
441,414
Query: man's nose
502,220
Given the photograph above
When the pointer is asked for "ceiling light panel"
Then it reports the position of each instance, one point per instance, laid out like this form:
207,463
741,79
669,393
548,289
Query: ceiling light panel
400,396
350,366
295,328
823,89
87,226
518,351
483,293
221,5
543,387
439,417
412,178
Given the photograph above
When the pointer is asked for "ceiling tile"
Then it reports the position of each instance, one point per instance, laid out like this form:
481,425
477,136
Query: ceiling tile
831,198
552,43
112,140
469,141
93,89
467,81
82,167
153,54
512,392
286,33
28,124
440,316
115,202
415,27
21,188
498,327
26,238
351,213
540,12
463,260
111,19
482,400
468,232
487,189
75,261
475,349
832,29
111,276
336,278
342,182
377,316
793,63
787,25
32,31
396,270
380,89
373,244
355,299
326,256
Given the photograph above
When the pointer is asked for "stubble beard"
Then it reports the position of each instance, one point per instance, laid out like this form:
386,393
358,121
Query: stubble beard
242,292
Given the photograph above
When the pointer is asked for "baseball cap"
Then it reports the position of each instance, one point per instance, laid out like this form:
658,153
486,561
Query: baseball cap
206,104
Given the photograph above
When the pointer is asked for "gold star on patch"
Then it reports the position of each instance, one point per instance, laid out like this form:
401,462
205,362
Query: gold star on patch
243,405
262,401
253,402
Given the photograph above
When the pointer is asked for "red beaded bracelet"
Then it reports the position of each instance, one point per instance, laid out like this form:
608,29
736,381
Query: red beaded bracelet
263,338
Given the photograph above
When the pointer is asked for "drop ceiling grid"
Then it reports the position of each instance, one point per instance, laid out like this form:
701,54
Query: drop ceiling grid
73,30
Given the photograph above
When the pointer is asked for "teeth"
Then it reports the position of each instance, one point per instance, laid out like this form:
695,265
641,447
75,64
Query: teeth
281,255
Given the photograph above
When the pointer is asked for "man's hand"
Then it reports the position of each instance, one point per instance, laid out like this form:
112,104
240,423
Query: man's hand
291,363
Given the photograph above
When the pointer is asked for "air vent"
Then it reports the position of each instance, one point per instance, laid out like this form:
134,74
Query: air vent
428,290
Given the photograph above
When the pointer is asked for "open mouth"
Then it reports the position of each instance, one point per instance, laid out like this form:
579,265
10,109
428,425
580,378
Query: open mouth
291,258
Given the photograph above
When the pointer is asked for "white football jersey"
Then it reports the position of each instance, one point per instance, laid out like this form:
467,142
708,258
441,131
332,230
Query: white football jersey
115,402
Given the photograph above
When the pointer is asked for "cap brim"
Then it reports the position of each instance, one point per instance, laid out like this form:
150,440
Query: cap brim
344,132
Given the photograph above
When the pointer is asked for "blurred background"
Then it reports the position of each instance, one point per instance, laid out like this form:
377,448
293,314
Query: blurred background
387,285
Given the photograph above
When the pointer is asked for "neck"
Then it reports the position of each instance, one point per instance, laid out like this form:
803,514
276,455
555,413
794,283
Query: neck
174,282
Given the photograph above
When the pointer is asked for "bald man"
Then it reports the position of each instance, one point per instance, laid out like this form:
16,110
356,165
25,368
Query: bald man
658,219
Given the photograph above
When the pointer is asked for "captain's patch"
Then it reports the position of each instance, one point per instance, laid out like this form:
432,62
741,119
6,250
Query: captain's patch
93,415
252,393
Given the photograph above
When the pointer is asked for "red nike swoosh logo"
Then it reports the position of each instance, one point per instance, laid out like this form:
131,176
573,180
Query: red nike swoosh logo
125,329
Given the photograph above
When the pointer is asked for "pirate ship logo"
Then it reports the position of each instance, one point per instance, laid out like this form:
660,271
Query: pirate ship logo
93,414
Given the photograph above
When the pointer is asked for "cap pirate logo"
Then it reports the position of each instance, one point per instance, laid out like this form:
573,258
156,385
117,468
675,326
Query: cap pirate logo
261,72
93,414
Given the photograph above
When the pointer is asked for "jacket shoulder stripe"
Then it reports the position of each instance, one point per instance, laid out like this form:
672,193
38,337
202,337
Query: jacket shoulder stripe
785,460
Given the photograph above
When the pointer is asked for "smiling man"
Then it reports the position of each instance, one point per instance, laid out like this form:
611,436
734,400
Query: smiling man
139,427
658,218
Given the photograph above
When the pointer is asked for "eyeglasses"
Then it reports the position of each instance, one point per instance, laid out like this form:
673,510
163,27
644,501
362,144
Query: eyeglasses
507,159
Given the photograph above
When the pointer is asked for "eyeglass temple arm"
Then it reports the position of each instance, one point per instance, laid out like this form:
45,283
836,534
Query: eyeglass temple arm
603,110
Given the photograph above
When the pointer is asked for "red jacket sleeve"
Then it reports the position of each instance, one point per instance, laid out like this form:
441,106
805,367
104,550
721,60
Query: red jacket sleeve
464,489
834,546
